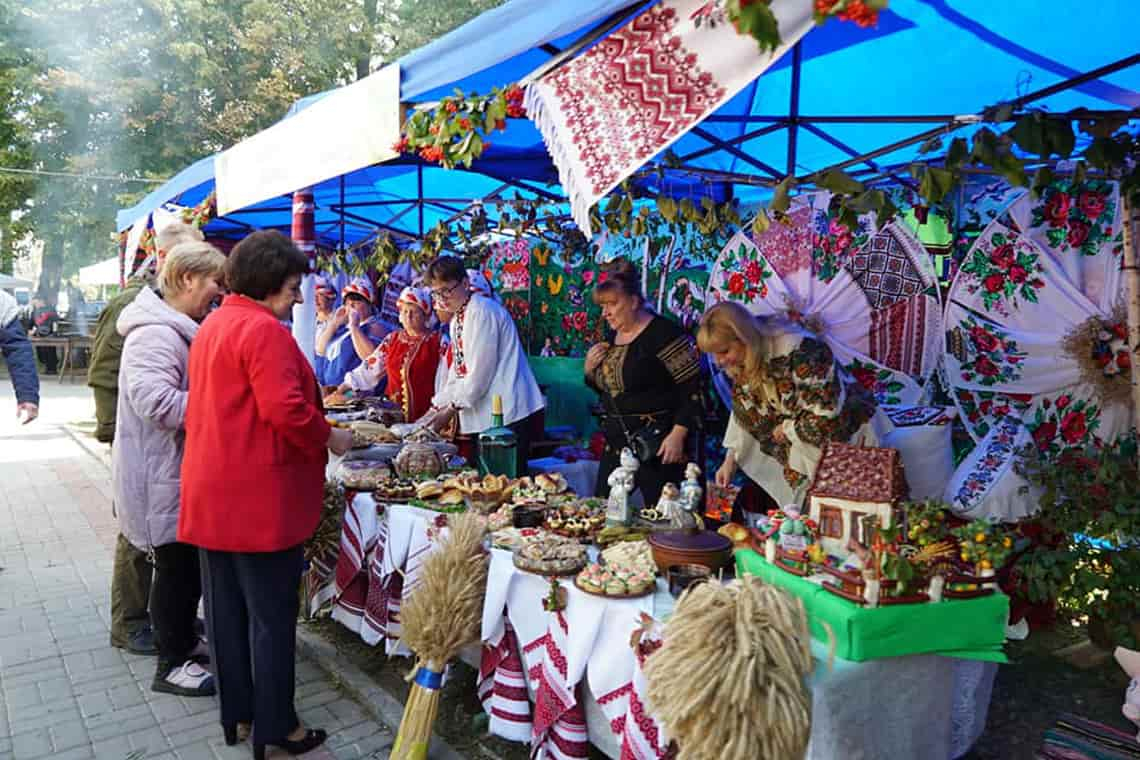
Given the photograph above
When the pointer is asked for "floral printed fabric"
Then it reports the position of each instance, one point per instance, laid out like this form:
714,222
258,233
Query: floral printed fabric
869,294
1036,276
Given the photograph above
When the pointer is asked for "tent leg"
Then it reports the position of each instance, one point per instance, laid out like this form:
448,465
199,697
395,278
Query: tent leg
794,108
1132,283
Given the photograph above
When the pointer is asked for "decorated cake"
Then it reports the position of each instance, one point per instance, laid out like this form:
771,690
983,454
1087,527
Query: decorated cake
615,580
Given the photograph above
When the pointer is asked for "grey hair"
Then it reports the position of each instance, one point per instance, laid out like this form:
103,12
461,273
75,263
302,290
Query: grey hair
174,233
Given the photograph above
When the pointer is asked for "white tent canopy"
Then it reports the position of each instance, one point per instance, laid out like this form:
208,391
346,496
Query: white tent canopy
8,282
103,273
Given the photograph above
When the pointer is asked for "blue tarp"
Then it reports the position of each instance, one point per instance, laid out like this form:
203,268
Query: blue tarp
926,58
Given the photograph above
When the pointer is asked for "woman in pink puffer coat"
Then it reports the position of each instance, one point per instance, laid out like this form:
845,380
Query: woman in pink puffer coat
146,458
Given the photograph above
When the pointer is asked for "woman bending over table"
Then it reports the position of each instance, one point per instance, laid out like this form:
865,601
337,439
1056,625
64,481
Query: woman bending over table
649,381
410,358
789,398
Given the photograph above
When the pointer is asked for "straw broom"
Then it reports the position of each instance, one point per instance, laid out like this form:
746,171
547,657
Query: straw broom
443,616
749,698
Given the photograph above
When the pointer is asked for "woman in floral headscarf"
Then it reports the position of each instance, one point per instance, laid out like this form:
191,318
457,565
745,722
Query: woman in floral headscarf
350,336
410,358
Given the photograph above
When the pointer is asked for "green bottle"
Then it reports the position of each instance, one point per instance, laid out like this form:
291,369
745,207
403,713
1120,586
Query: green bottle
498,446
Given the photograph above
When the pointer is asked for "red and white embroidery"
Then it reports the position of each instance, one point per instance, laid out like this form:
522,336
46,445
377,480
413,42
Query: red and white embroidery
631,94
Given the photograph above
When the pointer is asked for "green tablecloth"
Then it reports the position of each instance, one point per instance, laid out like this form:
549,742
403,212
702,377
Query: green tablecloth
972,629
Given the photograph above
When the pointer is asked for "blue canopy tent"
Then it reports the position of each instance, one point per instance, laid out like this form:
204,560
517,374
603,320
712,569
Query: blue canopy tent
849,97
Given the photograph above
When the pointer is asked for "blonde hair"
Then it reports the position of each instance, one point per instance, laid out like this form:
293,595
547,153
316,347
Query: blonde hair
174,233
189,259
727,323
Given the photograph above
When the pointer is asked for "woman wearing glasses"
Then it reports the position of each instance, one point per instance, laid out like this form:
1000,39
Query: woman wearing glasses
488,360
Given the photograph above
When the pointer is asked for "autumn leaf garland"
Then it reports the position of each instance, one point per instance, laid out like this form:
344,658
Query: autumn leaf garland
455,131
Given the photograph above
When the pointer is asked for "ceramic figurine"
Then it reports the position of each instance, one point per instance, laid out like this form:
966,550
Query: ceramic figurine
870,588
1130,661
692,494
794,535
622,483
937,583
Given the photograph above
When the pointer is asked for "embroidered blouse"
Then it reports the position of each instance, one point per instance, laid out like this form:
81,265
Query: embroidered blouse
658,371
488,359
796,404
410,366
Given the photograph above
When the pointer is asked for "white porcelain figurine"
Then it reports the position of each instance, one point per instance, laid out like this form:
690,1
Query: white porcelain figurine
622,483
692,493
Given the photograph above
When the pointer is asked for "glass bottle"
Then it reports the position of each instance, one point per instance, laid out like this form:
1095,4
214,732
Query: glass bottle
498,446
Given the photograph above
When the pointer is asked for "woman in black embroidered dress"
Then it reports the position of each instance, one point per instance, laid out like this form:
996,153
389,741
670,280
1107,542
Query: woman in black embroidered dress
648,378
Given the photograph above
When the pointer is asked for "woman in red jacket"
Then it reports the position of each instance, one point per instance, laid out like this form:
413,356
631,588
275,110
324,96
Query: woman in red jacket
252,478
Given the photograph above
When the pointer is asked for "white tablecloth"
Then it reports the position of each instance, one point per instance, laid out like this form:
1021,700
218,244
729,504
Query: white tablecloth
907,707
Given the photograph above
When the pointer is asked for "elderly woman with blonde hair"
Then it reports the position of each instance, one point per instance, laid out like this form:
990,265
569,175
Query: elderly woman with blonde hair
158,327
789,398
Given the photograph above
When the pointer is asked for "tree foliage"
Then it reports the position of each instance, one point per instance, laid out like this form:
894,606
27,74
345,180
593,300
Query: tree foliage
142,88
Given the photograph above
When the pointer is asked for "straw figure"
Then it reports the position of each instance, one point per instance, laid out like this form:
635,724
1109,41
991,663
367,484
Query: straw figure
749,699
442,617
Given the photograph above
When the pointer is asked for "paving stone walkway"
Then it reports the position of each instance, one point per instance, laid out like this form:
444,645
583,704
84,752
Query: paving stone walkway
65,693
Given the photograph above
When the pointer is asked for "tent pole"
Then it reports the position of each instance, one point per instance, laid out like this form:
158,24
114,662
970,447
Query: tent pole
1132,283
342,212
420,196
1076,81
794,108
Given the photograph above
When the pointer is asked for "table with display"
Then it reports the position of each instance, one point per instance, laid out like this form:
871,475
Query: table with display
907,681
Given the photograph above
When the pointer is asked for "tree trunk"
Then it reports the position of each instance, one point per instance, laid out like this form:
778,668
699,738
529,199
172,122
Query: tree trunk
52,271
364,62
1132,288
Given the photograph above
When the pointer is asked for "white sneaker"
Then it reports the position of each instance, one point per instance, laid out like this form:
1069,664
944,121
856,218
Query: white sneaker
188,680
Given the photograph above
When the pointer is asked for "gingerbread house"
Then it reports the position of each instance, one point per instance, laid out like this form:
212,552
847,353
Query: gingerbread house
853,482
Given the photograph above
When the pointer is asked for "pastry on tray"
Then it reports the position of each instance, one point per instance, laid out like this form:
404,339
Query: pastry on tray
631,556
551,482
394,489
429,489
551,555
368,433
514,538
615,581
361,475
581,519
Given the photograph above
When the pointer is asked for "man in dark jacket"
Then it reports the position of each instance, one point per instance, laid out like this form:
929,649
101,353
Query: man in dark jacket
17,351
132,573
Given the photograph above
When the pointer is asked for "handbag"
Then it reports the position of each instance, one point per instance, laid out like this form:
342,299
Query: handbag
646,442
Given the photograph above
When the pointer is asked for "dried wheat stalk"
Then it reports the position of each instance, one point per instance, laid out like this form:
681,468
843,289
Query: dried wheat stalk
445,613
730,680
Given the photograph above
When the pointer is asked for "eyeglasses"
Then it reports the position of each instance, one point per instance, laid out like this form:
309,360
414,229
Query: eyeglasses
445,292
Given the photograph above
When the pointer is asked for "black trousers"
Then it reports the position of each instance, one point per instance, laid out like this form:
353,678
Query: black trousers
174,595
251,621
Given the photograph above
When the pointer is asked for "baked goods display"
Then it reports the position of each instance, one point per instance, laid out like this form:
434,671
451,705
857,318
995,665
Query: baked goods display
615,581
394,489
484,494
612,534
366,433
362,475
581,519
514,538
552,482
337,400
550,555
503,517
423,435
418,460
630,555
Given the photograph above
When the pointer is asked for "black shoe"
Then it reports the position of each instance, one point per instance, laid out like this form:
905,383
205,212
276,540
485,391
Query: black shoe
141,642
314,738
235,732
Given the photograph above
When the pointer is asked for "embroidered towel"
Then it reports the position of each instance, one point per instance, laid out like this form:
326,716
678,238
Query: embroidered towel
606,113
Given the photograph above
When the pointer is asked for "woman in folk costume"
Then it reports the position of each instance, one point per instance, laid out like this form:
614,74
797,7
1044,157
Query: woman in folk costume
325,296
351,335
789,398
488,360
410,358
